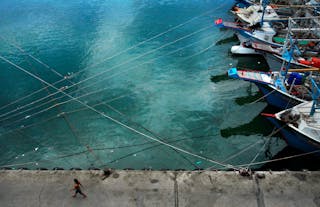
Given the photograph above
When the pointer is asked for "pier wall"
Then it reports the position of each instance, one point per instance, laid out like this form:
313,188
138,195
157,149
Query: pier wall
159,188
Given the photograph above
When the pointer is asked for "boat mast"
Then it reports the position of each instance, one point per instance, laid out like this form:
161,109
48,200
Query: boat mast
285,53
315,97
264,4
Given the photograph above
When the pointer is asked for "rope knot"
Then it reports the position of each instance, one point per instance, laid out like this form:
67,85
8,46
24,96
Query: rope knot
245,172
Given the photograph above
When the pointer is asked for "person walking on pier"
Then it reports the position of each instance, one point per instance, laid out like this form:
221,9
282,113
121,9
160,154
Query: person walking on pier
77,188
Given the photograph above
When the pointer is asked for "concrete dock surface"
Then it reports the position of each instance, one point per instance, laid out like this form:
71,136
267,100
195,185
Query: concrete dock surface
159,188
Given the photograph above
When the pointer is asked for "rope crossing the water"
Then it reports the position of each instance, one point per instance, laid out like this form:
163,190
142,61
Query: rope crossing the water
76,99
119,73
108,70
250,146
119,53
84,95
100,147
116,121
188,58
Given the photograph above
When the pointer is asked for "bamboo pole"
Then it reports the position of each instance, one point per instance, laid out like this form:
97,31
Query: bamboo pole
313,69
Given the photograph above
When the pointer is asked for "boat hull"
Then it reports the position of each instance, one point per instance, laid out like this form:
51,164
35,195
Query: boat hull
274,91
276,98
275,63
294,138
258,37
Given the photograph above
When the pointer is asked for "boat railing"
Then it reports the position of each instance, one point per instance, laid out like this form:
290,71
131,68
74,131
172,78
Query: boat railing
315,97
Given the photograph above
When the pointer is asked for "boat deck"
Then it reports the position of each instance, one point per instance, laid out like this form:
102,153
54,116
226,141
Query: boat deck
255,76
309,124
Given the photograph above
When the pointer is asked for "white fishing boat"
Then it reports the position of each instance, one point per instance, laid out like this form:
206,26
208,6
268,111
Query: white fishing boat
253,14
264,34
300,125
248,47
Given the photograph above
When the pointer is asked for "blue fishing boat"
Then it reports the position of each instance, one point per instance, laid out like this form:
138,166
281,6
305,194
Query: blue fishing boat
300,125
278,90
283,89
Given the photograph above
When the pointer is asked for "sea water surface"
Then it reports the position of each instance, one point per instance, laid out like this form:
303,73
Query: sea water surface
144,66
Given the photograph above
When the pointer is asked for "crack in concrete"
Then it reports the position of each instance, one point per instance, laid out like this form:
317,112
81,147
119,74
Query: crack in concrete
39,197
139,200
211,181
176,193
259,194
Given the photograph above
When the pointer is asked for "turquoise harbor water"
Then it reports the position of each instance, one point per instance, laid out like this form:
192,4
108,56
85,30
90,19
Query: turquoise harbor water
160,87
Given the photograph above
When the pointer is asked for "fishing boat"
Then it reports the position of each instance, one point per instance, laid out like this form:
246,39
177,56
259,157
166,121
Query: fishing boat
275,59
284,88
305,54
263,34
258,42
255,13
300,125
280,90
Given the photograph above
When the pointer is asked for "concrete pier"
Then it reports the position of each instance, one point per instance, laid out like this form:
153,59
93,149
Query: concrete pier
160,188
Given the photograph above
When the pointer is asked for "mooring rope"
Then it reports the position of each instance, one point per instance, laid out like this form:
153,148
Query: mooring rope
116,121
238,153
148,130
32,57
250,146
116,66
95,148
119,53
89,85
282,158
119,73
238,166
100,146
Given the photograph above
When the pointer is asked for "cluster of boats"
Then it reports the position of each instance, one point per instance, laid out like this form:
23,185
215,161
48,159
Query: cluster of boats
288,36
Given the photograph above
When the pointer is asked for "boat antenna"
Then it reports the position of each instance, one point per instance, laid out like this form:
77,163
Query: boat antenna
264,6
